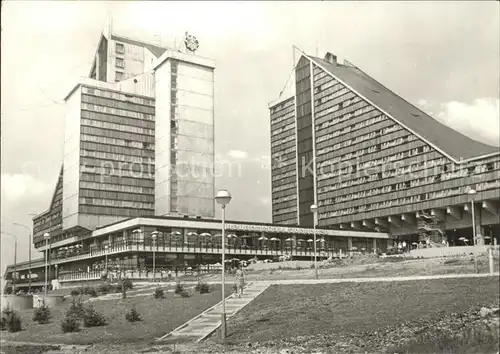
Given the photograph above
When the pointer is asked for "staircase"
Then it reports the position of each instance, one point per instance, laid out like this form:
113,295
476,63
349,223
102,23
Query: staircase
203,325
432,229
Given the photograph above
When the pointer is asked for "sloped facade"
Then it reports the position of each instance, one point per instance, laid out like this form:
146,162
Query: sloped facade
367,157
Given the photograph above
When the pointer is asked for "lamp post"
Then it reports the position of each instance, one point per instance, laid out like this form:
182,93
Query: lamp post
29,253
154,235
15,262
314,210
472,192
223,198
47,238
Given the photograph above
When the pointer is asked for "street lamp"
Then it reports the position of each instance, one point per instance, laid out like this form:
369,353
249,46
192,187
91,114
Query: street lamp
223,198
314,210
47,238
29,256
154,235
15,261
472,192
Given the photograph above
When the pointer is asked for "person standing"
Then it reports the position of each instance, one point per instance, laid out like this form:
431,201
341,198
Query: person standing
240,281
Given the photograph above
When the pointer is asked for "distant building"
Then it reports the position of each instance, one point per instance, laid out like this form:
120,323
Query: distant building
373,161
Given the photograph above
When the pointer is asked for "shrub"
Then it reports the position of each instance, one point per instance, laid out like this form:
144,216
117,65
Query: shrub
70,324
11,320
133,315
202,287
3,324
128,283
75,292
42,314
185,293
159,293
235,288
7,311
179,288
92,318
89,291
76,310
104,289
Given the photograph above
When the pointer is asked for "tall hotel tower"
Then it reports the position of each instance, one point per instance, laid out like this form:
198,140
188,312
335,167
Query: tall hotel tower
370,160
139,139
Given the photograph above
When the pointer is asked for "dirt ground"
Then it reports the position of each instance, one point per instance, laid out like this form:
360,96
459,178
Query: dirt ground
370,266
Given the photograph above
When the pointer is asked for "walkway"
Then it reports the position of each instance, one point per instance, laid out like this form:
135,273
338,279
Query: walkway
207,322
367,280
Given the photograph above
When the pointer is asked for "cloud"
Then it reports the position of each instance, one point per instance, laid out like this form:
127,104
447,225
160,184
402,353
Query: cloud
422,102
479,120
238,154
18,186
265,200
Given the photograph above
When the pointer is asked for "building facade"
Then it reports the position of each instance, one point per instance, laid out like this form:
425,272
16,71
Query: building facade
128,247
372,161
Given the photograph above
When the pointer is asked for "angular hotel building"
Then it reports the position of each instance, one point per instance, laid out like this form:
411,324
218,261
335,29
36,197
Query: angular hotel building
372,161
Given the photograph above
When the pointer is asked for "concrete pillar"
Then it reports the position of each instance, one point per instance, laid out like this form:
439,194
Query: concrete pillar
374,246
477,218
349,243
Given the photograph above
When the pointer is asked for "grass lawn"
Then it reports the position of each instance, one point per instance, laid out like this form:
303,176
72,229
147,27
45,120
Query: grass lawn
335,311
159,318
370,267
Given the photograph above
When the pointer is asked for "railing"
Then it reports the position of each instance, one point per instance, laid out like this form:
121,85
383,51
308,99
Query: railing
138,274
203,249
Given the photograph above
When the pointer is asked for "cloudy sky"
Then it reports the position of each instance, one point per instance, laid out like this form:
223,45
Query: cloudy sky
441,56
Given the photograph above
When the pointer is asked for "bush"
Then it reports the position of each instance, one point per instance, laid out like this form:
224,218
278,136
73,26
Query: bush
3,324
235,288
11,320
202,287
133,315
42,314
179,288
104,289
92,318
185,293
128,283
76,310
89,291
70,324
159,293
75,292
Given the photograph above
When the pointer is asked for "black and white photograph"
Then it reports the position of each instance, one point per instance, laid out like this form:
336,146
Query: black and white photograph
255,177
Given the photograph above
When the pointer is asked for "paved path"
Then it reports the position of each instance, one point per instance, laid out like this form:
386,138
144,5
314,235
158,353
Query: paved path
367,280
207,322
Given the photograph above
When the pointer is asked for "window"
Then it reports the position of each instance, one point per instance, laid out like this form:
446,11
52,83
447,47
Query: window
120,48
489,166
120,63
118,76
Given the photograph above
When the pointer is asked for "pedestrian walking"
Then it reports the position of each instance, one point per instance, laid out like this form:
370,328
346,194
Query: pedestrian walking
240,281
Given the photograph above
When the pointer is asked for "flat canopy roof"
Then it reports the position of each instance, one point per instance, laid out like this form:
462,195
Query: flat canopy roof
193,223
